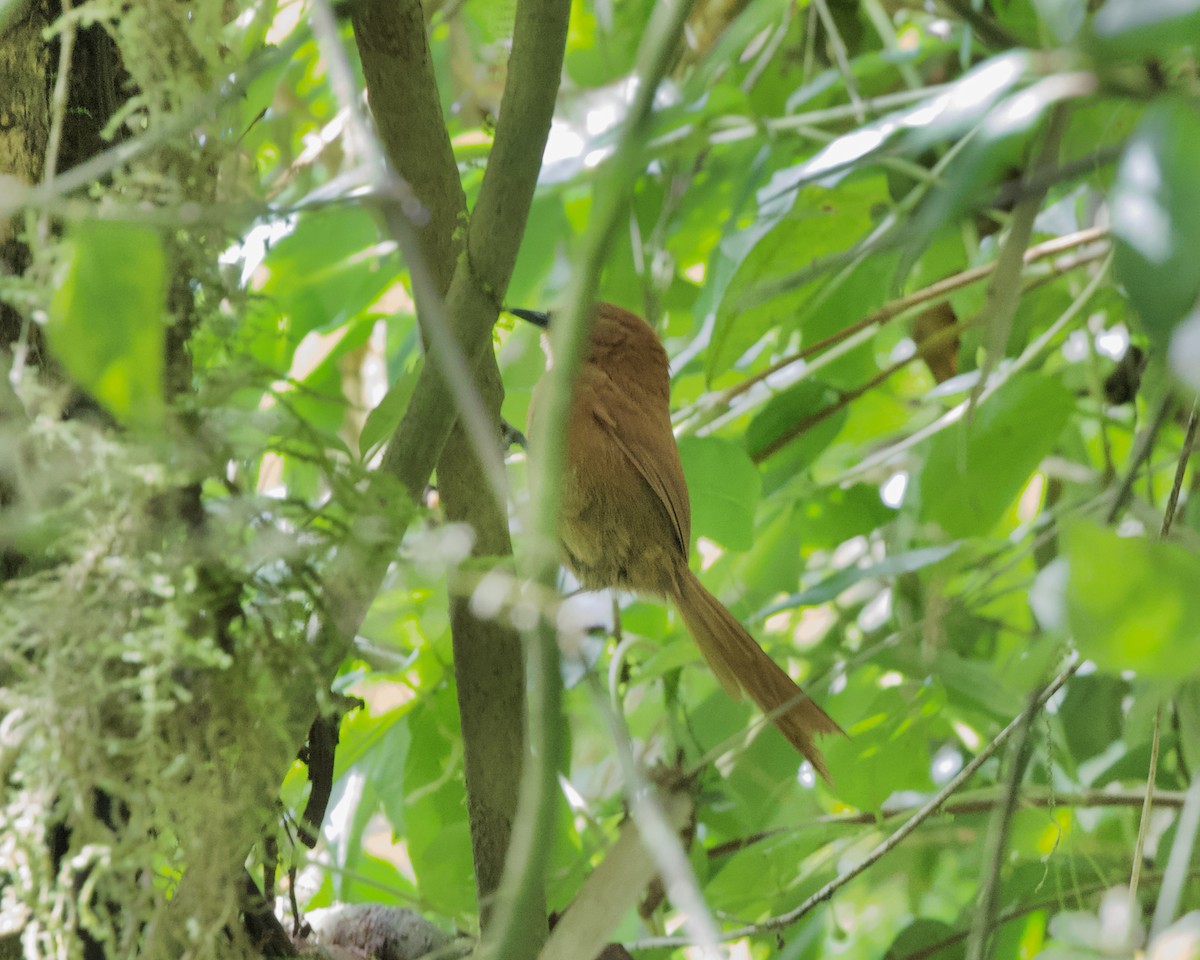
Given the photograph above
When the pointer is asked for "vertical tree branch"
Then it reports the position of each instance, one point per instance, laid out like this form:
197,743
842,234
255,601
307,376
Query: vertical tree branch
404,100
509,938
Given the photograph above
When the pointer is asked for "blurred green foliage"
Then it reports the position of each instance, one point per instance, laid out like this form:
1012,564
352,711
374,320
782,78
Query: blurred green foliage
921,555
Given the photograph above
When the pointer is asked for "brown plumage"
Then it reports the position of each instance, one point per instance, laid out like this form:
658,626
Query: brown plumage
626,520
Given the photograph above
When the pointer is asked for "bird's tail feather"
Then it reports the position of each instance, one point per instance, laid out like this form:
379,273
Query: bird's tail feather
741,664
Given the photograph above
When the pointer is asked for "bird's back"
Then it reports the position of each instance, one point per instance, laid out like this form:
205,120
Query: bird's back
625,514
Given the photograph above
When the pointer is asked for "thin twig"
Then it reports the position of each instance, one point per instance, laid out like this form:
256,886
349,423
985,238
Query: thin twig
1012,192
924,813
1189,440
735,128
1141,453
927,296
952,416
801,427
842,57
1147,803
997,839
932,949
963,807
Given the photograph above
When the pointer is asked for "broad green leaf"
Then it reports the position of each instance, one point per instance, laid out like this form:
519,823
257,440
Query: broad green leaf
923,936
1091,713
1133,603
946,115
1156,216
887,750
385,416
321,400
835,514
106,317
439,842
724,487
1021,18
785,411
1136,28
974,470
322,274
775,561
1187,701
602,40
968,683
760,296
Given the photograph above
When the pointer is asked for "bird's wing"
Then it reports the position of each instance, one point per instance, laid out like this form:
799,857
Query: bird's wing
645,438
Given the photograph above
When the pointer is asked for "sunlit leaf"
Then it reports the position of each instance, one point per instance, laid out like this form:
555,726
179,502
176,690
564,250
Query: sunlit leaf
887,750
106,321
1135,28
1132,603
724,488
1156,216
385,416
943,116
975,469
760,297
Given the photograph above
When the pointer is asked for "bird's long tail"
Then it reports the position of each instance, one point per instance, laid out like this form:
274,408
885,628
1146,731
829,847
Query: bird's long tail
741,664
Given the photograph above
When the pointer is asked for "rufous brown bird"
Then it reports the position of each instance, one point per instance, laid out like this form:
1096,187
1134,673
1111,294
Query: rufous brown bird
625,518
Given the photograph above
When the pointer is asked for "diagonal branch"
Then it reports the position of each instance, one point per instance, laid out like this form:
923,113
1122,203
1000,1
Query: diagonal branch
887,846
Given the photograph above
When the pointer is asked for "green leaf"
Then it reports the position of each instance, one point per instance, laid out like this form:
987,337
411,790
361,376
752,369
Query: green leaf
886,750
1091,713
602,40
997,150
439,842
970,682
1136,28
385,416
759,297
1187,701
724,487
834,514
785,411
921,936
322,274
774,563
106,317
1063,17
949,114
1133,603
974,470
1155,207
